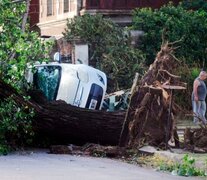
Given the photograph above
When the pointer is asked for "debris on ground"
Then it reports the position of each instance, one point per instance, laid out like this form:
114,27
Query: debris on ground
177,161
195,140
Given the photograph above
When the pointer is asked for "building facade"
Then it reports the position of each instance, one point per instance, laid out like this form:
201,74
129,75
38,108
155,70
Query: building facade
49,17
53,14
119,10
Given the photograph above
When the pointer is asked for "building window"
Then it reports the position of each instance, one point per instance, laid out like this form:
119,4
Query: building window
49,7
71,5
66,6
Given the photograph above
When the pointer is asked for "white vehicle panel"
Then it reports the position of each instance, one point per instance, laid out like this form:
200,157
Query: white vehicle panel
80,85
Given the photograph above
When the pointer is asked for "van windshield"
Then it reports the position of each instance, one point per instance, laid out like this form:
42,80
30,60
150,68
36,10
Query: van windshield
47,79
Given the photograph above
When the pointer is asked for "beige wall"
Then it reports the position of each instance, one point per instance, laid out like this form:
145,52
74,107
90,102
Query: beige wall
55,24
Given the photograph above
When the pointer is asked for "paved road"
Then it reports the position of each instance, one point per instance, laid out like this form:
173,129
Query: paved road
39,165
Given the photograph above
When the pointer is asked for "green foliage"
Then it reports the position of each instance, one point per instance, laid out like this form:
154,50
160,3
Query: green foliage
4,149
187,168
195,72
15,124
176,23
188,75
109,47
195,5
18,45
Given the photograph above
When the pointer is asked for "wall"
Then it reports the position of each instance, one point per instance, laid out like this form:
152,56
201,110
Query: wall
34,12
124,4
54,24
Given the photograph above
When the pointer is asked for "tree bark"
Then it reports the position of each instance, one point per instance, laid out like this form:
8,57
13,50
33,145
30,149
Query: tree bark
65,123
77,125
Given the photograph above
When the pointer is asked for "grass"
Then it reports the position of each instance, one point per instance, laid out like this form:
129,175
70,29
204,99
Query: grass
186,166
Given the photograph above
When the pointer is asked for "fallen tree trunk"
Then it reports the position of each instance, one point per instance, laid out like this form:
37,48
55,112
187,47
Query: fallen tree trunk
65,123
61,121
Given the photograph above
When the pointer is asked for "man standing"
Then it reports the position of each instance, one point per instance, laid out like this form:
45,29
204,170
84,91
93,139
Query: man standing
198,98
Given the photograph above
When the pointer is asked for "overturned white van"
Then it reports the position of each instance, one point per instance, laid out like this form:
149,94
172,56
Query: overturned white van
77,84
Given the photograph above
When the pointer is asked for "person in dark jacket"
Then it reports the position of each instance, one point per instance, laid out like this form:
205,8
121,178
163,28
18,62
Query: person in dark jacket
198,98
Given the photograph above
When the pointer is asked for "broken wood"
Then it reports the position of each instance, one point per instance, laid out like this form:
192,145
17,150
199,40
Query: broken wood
124,130
149,118
195,140
90,149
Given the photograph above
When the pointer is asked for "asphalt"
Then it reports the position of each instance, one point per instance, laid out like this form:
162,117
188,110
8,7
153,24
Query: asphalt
39,165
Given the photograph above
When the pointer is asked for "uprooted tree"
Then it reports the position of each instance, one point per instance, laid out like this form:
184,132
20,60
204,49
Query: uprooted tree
149,118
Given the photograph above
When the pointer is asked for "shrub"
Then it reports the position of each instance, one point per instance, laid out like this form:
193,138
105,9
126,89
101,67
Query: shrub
109,48
15,125
195,5
177,23
187,167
